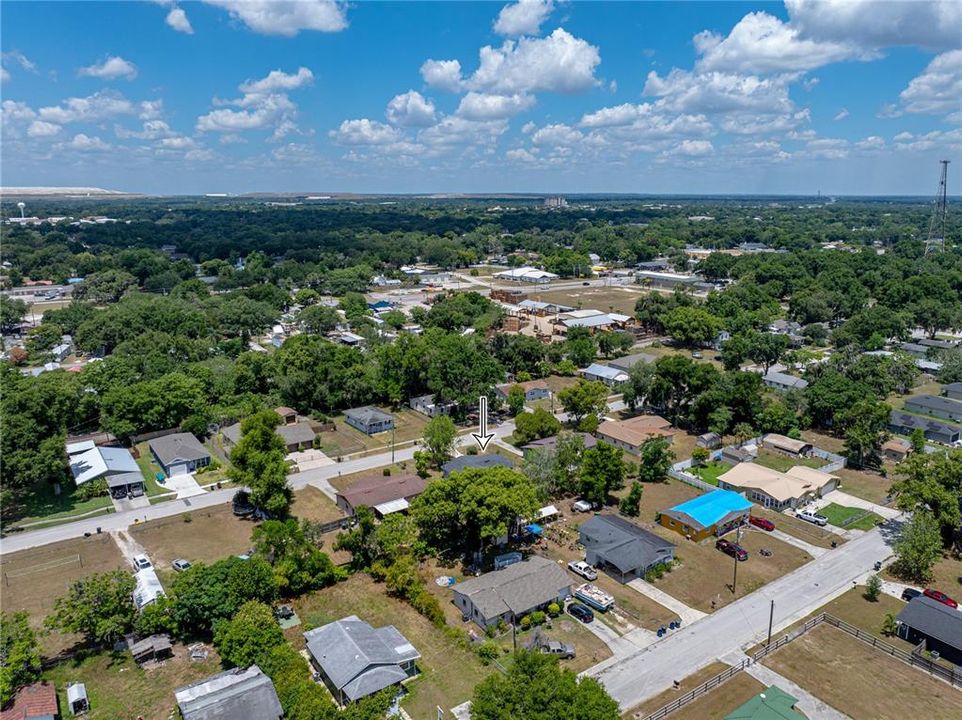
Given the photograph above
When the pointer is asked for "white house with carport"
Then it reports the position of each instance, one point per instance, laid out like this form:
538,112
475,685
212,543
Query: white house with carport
89,462
610,376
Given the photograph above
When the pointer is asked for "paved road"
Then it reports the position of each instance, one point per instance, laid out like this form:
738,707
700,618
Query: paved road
318,477
634,679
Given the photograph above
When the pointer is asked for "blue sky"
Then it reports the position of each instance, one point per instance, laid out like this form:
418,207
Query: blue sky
838,96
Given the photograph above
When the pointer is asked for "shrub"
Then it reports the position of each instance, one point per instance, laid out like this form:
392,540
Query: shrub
873,588
525,622
187,518
554,610
90,490
488,650
386,472
538,617
472,450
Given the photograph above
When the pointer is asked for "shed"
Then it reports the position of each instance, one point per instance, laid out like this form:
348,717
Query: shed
714,513
286,414
77,700
148,588
621,548
155,647
896,449
787,445
709,441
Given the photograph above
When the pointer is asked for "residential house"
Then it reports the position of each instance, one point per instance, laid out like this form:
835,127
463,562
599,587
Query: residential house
179,453
533,390
916,349
299,436
787,445
629,361
936,624
383,494
355,660
379,306
475,462
940,432
37,701
237,694
953,391
714,513
783,382
936,406
513,592
772,704
117,466
778,490
425,405
526,274
896,449
549,443
709,441
369,419
287,415
622,549
610,376
631,434
938,344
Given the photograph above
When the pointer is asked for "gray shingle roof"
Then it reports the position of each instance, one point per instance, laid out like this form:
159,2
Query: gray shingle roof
236,694
359,659
178,447
517,588
298,433
474,461
622,543
934,619
367,415
785,380
935,402
629,361
902,419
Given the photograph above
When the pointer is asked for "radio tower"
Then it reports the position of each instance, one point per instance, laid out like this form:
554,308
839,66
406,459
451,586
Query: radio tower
935,242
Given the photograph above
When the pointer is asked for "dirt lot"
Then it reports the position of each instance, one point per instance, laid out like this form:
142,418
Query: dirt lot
862,682
945,576
448,671
713,706
34,579
119,688
211,535
705,573
869,486
606,299
342,482
311,504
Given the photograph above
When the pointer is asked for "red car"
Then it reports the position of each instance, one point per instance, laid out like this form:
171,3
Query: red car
941,597
761,522
733,549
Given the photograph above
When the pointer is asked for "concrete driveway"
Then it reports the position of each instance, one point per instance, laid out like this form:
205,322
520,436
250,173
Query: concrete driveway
183,485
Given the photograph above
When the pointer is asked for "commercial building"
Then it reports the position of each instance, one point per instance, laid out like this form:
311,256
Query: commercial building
714,513
526,274
778,490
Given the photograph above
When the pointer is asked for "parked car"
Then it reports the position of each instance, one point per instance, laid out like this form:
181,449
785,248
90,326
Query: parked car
814,518
581,612
940,596
586,283
909,594
558,649
761,522
181,565
697,355
733,549
141,562
580,567
581,506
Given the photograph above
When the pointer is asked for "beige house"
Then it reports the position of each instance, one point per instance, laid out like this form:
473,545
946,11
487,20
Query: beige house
777,490
631,434
786,445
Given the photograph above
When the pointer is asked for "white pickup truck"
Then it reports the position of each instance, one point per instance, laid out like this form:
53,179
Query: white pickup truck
811,517
580,567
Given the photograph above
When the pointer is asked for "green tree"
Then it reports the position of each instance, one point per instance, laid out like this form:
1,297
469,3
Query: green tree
602,472
654,460
12,312
866,428
536,688
580,346
299,565
918,440
692,326
530,426
257,462
515,400
932,481
439,436
700,455
584,398
105,287
635,391
248,636
99,607
918,547
873,588
41,340
631,504
319,319
19,655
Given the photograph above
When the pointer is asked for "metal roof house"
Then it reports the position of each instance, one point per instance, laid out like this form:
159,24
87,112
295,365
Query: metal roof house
356,660
384,495
610,376
936,624
369,419
783,381
904,424
237,694
622,549
936,406
179,453
513,592
714,513
480,462
90,462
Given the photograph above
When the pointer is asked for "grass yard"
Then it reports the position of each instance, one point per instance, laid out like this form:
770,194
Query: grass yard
606,299
710,471
862,682
867,485
824,442
557,383
706,573
449,672
345,440
33,579
119,688
45,505
210,535
311,504
713,706
897,401
812,534
783,463
848,517
589,649
658,496
945,575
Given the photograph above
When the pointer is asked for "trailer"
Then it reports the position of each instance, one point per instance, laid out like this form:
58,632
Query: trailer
595,597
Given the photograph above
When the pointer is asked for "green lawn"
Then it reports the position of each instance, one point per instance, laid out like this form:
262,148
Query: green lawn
45,505
842,517
710,471
783,463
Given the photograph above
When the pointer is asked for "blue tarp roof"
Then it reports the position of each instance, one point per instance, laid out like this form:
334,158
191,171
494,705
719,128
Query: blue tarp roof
711,507
535,529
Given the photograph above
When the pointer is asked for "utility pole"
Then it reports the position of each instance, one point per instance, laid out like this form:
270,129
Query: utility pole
392,443
771,616
735,558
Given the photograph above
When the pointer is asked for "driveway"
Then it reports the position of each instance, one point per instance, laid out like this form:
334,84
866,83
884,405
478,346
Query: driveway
134,503
843,498
184,485
687,614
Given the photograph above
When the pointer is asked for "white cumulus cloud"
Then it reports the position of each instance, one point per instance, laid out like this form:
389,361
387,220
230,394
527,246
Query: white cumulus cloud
938,89
277,81
410,109
442,74
481,106
110,69
177,19
365,132
523,17
694,148
39,128
84,143
841,114
286,17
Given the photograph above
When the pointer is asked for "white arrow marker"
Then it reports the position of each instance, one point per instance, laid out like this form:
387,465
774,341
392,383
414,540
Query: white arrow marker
483,437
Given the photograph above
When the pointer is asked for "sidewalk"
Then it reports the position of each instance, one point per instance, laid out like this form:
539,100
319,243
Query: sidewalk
812,550
687,614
